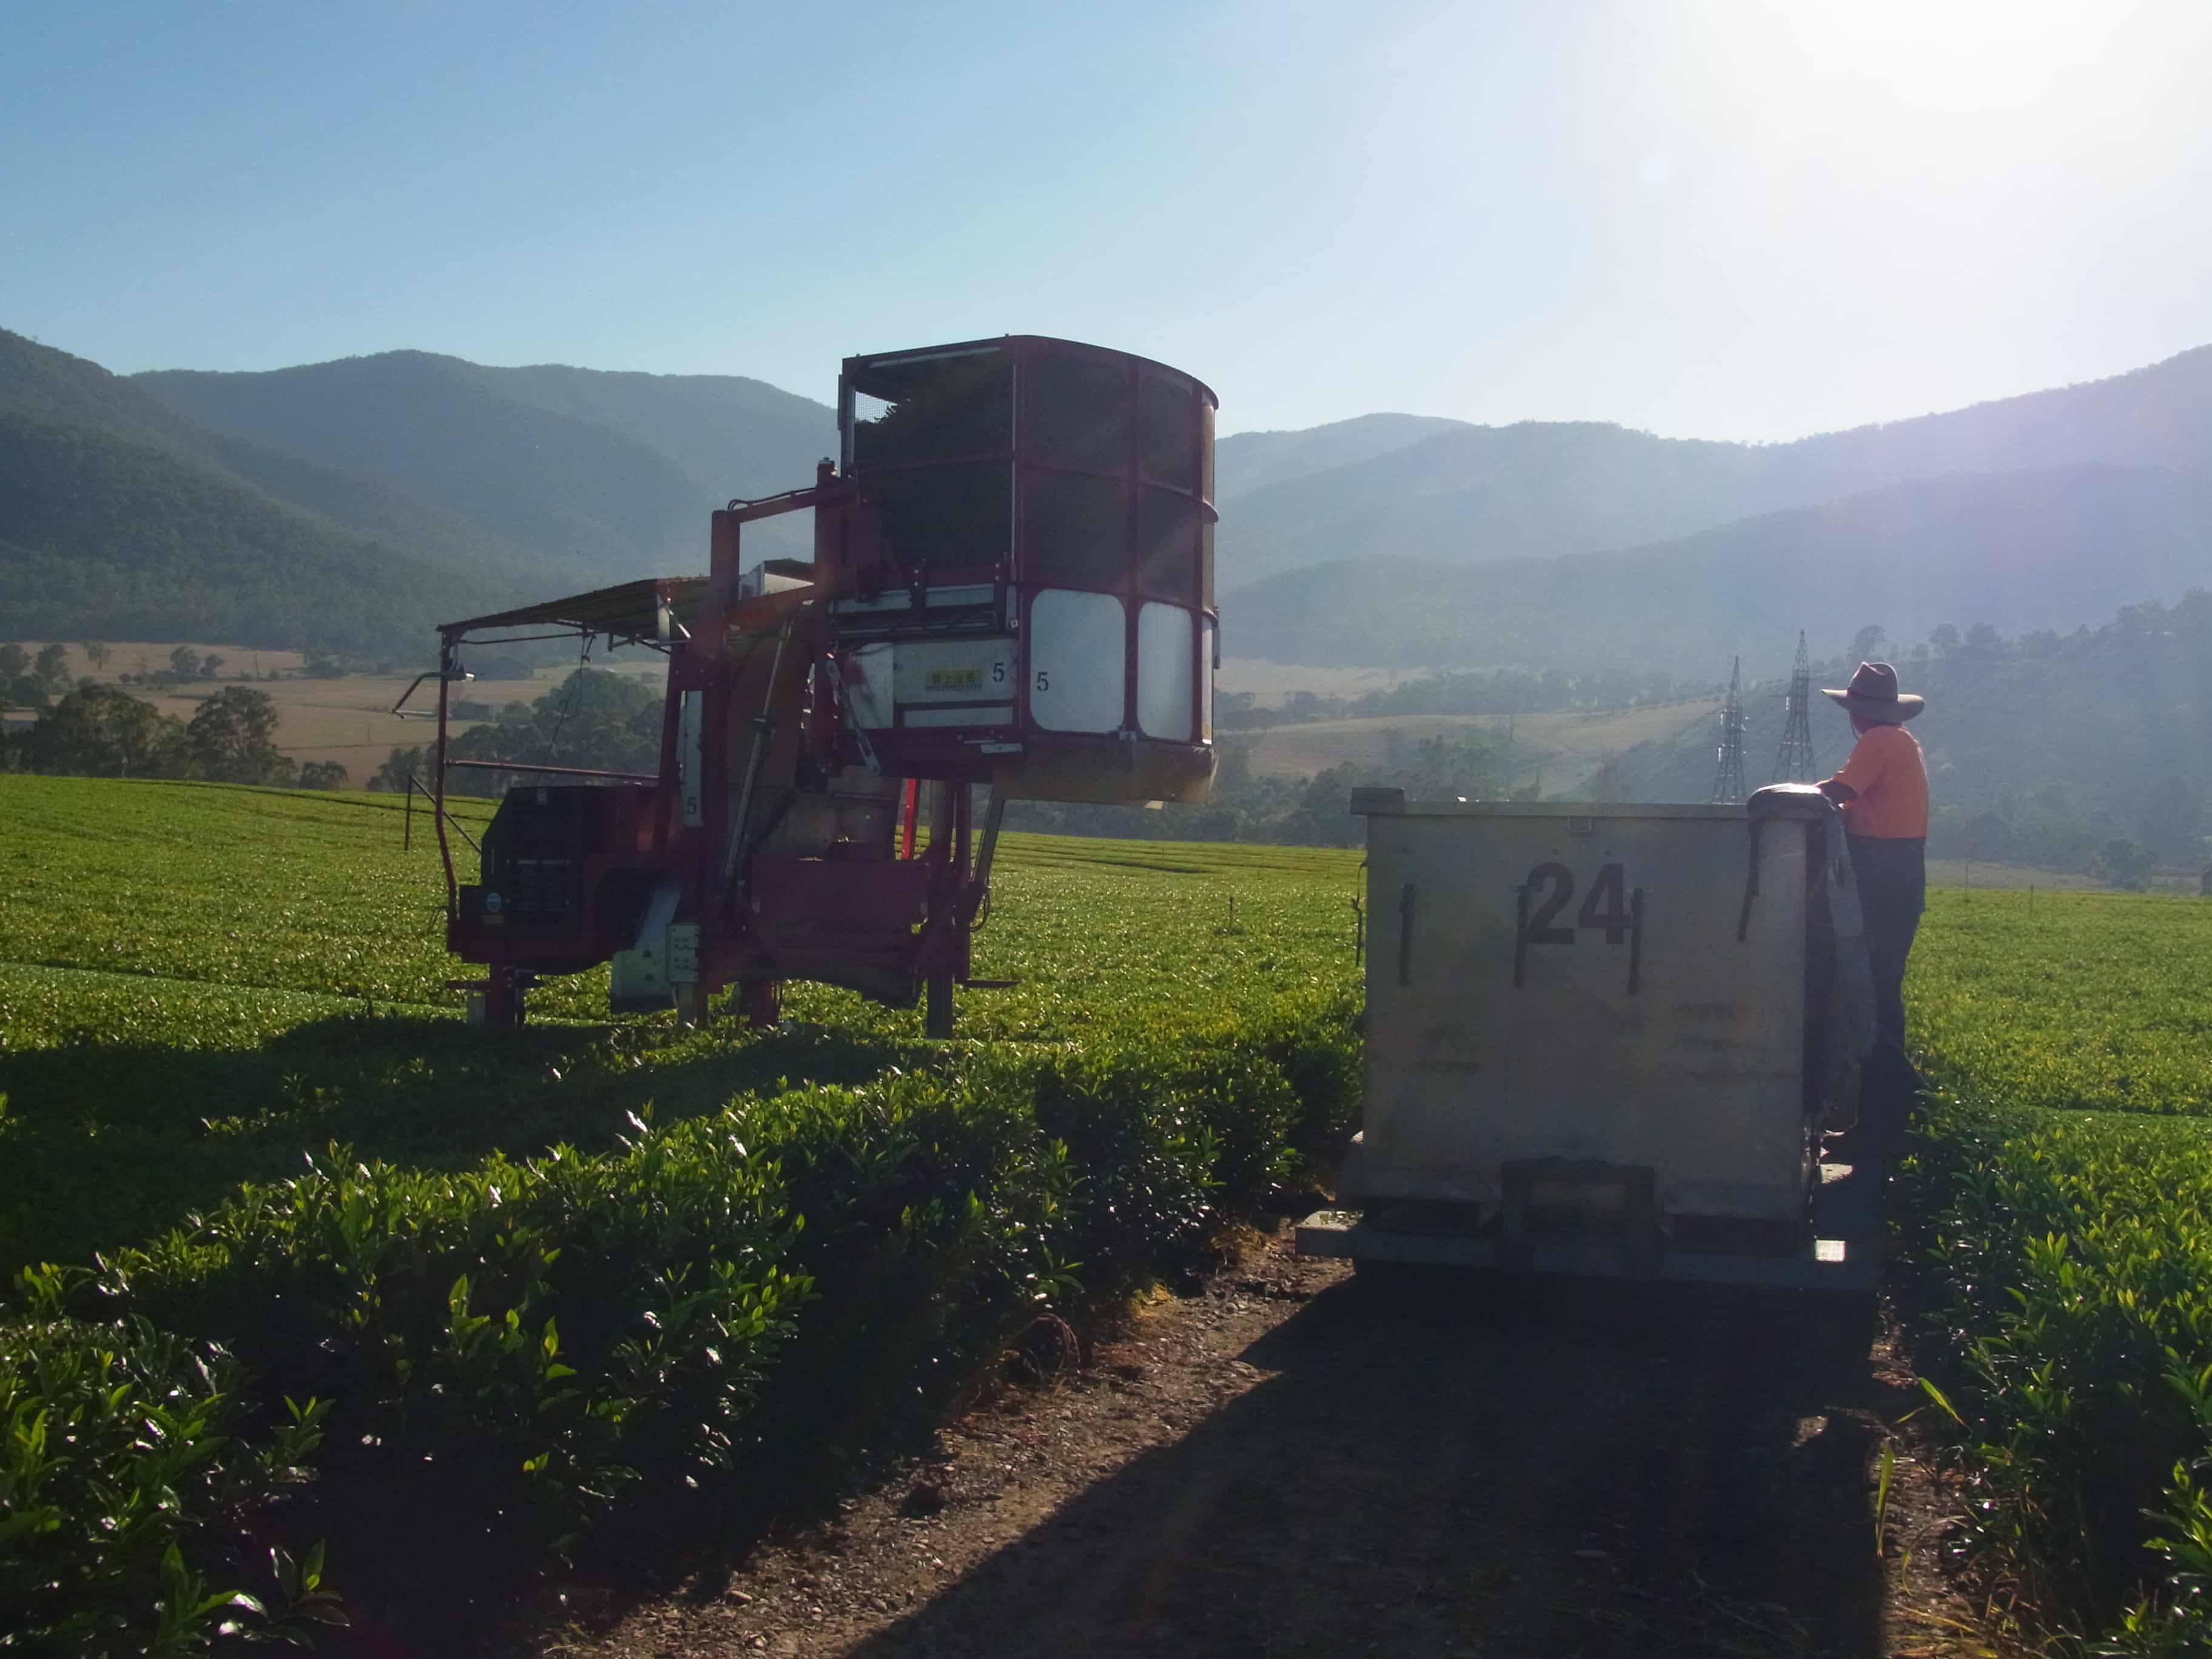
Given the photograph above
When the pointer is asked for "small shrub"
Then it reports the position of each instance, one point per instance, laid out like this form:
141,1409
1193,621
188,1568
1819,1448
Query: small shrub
132,1471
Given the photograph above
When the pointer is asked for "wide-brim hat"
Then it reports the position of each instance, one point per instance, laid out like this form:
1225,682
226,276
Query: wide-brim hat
1873,694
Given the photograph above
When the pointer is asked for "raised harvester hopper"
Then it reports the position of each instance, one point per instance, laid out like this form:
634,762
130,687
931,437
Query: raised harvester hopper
1012,591
1606,1039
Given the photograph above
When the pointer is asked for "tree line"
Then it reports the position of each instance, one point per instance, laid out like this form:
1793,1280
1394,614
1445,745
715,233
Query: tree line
601,722
2088,752
103,731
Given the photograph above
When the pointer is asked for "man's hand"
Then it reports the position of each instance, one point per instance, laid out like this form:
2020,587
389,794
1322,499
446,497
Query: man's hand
1836,791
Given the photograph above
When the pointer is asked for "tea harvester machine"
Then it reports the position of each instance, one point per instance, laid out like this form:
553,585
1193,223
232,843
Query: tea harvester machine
1010,596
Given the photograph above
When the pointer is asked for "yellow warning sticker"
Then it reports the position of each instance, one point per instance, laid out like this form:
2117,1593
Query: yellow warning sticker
954,679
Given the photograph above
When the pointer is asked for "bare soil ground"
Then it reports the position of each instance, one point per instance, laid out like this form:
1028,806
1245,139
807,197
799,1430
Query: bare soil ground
1293,1463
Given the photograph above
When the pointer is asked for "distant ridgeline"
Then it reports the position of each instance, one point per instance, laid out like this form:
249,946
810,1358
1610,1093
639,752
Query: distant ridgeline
2044,749
1391,542
2022,550
353,505
119,521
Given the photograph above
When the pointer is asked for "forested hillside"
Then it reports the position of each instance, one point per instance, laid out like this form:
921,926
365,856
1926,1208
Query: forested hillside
2045,748
1249,461
611,474
2021,550
1395,541
55,386
120,519
100,538
1470,495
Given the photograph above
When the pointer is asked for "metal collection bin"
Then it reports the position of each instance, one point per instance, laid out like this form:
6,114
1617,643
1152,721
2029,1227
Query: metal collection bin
1606,1038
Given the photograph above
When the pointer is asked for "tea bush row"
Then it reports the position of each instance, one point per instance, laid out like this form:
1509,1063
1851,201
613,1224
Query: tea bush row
495,1362
310,891
199,983
2062,1258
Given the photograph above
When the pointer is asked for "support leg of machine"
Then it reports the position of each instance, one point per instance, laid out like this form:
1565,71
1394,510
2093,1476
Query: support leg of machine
937,1018
503,996
759,1001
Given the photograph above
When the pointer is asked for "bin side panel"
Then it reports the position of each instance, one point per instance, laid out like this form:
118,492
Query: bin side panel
1669,1044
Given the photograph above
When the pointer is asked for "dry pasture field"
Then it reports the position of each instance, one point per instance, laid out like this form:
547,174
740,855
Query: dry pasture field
1563,746
347,719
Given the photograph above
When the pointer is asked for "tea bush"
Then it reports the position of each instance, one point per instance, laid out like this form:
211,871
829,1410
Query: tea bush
517,1355
125,1482
554,1286
2064,1255
199,983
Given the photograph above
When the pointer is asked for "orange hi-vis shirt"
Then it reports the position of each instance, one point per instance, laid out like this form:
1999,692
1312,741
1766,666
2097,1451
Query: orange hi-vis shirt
1891,781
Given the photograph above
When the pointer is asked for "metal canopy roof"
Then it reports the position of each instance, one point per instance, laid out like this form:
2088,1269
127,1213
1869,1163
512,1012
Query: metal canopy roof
630,610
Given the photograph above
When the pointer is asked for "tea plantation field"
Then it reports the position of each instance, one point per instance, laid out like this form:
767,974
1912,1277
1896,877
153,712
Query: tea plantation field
200,982
374,1275
338,1268
2058,1253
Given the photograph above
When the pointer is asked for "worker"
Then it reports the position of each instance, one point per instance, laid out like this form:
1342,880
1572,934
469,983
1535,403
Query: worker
1883,792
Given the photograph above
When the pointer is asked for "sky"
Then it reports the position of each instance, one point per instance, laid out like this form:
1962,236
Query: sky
1751,220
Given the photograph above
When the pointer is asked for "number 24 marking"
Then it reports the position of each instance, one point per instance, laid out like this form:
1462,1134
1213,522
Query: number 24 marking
1606,907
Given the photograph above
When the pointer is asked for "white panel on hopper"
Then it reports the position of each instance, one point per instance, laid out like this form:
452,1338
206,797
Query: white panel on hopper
1166,658
1078,653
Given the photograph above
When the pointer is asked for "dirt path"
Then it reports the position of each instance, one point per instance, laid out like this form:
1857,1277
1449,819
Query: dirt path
1291,1464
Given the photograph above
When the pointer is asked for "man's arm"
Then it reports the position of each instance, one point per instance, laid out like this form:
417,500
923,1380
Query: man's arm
1856,775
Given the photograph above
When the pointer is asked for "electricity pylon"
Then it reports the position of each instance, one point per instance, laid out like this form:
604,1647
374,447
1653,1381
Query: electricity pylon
1728,776
1793,763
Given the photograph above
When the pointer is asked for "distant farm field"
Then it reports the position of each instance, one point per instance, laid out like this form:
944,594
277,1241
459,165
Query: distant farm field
1561,749
348,719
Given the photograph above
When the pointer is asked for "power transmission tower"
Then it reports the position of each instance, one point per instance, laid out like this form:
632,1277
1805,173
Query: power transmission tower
1793,764
1728,776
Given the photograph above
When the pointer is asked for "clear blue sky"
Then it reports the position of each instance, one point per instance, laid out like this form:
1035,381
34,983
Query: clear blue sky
1731,220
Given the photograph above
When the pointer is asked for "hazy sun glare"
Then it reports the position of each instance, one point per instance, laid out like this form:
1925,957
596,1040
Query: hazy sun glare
1960,79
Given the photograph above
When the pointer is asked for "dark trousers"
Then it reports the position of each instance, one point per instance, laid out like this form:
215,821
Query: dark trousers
1893,877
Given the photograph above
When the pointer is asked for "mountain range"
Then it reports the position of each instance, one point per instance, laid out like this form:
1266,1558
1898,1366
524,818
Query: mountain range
353,503
1468,495
2026,551
611,474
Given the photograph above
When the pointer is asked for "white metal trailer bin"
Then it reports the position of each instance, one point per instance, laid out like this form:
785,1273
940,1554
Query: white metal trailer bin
1607,1039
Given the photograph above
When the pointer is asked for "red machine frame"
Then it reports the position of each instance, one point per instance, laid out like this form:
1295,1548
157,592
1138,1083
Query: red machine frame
693,852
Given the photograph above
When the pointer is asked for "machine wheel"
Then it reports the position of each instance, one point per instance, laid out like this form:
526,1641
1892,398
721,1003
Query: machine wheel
937,1017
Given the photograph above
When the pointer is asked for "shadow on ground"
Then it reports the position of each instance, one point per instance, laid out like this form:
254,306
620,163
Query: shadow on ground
1547,1468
